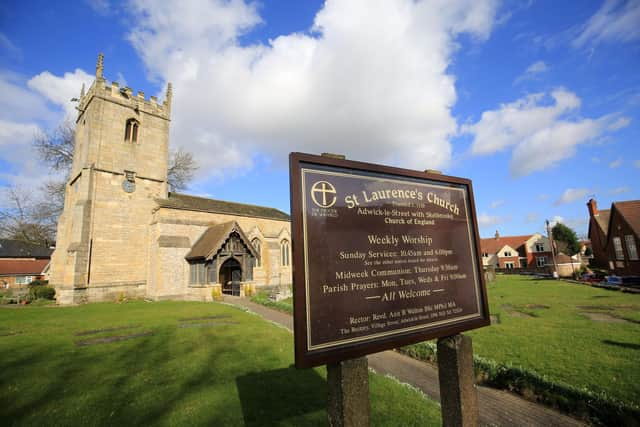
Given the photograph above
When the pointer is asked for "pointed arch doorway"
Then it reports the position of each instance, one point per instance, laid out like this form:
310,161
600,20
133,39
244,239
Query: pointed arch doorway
230,276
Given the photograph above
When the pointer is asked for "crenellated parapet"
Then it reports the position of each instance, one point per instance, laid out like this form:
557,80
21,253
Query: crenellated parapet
124,95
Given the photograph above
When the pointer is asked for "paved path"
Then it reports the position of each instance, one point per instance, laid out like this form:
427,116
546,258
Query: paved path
497,407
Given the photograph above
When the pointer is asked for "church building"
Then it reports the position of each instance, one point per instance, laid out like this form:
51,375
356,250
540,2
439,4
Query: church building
122,233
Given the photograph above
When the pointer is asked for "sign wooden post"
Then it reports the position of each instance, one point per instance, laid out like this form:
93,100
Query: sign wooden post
348,393
382,257
348,384
456,378
458,397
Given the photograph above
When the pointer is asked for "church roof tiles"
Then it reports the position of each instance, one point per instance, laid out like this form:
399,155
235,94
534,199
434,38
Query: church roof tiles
186,202
213,239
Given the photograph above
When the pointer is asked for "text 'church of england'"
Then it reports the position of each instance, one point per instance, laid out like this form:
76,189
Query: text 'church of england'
123,233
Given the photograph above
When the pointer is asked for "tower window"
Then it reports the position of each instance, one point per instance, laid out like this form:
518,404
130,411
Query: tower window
131,131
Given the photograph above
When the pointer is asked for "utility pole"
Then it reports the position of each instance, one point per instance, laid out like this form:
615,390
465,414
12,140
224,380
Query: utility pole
553,252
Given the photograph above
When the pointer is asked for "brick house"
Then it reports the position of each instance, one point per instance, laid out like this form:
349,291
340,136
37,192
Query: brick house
615,236
511,252
21,263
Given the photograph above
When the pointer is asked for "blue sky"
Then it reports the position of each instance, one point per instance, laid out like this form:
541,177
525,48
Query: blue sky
537,102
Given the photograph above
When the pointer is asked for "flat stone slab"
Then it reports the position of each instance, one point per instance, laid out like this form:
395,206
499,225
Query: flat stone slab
603,317
206,324
217,316
115,338
98,331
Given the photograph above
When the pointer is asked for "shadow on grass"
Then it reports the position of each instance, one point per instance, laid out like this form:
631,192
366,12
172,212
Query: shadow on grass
632,346
112,384
268,398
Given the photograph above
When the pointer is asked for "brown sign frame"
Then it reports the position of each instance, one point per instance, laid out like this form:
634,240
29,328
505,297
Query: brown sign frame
305,358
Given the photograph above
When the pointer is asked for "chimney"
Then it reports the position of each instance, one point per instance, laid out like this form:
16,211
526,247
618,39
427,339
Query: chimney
497,235
593,207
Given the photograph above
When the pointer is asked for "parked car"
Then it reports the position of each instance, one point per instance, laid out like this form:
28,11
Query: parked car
593,277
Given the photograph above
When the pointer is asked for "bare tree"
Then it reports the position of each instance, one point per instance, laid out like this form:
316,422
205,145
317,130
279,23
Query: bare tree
21,218
180,170
55,148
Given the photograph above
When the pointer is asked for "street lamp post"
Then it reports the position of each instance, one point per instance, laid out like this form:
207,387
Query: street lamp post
553,253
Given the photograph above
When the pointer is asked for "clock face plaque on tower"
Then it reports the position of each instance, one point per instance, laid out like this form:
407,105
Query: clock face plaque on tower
129,184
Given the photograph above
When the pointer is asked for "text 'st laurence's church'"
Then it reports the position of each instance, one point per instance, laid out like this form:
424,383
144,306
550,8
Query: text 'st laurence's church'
123,233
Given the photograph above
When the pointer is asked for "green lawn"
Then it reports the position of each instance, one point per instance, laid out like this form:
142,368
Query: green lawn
226,368
543,327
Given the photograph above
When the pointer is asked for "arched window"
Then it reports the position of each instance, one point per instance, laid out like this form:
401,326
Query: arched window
131,131
284,252
256,245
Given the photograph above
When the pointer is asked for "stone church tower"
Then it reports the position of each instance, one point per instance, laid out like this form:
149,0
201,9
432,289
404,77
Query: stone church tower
119,170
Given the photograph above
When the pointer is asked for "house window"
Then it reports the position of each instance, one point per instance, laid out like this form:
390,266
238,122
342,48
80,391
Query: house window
508,265
539,247
507,253
23,280
256,245
617,246
523,263
485,254
632,250
541,261
284,252
131,131
196,273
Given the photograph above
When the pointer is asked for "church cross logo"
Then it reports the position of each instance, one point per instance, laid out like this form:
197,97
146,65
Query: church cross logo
327,191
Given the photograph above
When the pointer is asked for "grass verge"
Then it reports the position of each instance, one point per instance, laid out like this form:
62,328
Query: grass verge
262,298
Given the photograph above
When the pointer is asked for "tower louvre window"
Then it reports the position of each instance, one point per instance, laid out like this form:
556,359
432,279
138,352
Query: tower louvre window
131,131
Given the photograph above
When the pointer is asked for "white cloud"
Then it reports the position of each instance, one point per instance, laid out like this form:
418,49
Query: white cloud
543,196
555,220
619,190
369,80
531,218
571,195
615,21
496,204
636,163
26,107
543,134
616,163
60,90
18,103
619,124
532,71
101,7
11,49
485,220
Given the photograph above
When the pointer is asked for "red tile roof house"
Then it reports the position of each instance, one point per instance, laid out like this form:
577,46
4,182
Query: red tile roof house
615,237
21,263
514,252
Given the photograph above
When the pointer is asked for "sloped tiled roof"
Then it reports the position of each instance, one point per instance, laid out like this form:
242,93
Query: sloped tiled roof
12,267
183,201
19,249
214,237
602,219
492,245
630,210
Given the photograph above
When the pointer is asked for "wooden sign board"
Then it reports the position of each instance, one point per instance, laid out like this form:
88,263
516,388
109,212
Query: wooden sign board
382,257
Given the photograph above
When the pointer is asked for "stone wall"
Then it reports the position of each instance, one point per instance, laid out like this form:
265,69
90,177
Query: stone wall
173,228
